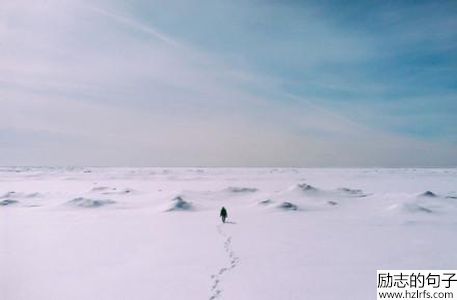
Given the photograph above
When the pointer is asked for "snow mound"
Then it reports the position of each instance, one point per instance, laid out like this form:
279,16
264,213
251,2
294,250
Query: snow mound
233,189
428,194
90,203
306,187
287,206
306,196
13,194
7,202
105,190
100,189
178,204
429,202
351,192
115,191
266,202
300,190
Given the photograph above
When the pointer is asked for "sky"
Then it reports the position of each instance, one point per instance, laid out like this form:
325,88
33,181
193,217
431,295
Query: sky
253,83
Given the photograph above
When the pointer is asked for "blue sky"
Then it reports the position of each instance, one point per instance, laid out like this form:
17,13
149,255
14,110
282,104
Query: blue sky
229,83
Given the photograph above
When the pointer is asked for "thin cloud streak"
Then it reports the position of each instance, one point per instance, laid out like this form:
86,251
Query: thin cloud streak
135,25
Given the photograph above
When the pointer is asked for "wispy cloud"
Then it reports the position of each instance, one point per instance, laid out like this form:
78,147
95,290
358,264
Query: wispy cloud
134,24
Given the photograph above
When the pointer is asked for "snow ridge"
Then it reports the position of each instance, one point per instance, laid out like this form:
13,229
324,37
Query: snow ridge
216,291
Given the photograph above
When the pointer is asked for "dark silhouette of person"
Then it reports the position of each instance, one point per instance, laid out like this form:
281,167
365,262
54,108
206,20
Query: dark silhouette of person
223,214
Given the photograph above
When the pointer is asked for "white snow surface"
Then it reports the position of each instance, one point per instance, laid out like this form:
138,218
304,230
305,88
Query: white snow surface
155,233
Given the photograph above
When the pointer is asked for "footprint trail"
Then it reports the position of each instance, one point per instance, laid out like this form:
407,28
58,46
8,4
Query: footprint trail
216,290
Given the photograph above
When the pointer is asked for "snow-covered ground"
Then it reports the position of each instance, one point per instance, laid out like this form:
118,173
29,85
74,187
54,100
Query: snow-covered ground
150,233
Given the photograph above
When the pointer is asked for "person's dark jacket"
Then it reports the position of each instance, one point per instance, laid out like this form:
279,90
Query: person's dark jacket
223,212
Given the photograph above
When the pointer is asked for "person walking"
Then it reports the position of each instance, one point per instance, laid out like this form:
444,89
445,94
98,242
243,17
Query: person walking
223,214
